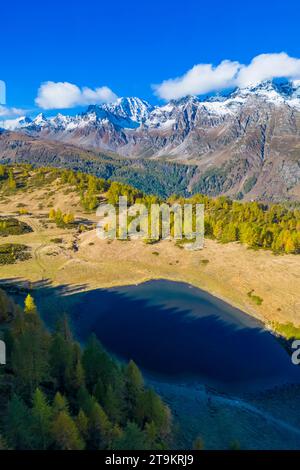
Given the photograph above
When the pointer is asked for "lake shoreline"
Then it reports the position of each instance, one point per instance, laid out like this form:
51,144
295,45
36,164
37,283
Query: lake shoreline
199,408
25,285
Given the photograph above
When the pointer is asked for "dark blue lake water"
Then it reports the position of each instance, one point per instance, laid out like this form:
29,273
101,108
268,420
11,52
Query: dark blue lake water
224,377
178,332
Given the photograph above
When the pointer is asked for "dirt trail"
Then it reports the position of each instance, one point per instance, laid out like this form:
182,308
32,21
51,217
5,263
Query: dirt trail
37,228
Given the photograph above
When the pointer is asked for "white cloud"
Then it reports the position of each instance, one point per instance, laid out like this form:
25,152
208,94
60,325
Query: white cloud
10,112
58,95
205,78
268,66
202,78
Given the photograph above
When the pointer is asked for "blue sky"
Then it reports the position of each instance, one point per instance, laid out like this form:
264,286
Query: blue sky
128,46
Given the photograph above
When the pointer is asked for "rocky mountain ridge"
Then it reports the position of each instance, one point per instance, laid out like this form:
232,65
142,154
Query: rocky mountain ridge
245,143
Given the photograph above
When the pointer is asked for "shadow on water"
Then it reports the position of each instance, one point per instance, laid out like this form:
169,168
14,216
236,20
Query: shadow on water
171,331
192,346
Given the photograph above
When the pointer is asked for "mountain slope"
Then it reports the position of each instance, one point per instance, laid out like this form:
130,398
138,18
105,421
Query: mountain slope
161,178
186,128
245,143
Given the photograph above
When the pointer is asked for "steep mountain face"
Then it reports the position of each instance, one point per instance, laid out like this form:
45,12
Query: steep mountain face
245,143
151,176
135,109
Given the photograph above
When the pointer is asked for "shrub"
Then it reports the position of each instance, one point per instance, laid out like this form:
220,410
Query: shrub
10,253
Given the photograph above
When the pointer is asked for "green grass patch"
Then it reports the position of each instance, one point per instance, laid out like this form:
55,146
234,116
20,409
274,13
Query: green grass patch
56,240
288,329
12,226
255,298
204,261
10,253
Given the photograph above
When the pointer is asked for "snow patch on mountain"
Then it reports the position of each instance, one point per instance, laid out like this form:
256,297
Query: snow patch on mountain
131,113
136,109
14,124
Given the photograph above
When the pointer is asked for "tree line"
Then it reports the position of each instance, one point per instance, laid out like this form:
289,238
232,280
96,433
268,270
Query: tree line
269,226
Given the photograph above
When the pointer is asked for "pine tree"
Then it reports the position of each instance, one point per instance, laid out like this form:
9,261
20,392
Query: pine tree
78,379
18,425
30,306
60,404
65,433
150,408
96,363
52,214
29,357
133,375
41,413
61,361
133,388
68,218
100,428
82,423
132,438
112,404
230,233
218,229
85,401
59,218
151,434
290,246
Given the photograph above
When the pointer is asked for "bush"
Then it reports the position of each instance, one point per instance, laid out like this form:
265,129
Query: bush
288,329
12,226
10,253
56,240
61,219
256,299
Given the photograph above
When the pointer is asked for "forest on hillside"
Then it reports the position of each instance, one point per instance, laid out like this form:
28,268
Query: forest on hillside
54,394
274,227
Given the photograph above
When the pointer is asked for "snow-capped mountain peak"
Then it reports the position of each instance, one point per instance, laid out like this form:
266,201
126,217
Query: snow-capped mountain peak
135,108
131,113
276,91
40,120
14,124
